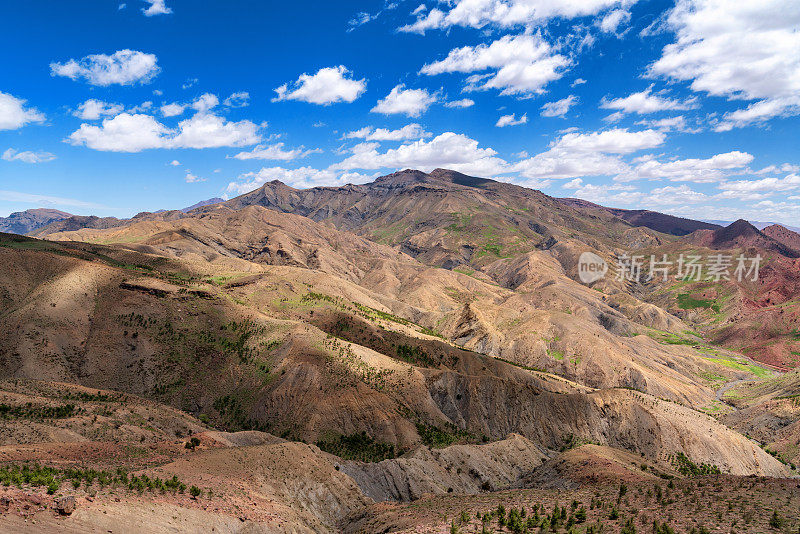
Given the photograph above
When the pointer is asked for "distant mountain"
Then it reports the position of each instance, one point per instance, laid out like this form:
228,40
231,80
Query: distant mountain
76,222
26,221
783,235
661,222
758,224
202,203
742,234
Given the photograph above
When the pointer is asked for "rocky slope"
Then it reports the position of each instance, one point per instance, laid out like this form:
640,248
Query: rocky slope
23,222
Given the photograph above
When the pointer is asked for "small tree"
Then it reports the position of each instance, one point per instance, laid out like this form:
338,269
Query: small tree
776,521
194,491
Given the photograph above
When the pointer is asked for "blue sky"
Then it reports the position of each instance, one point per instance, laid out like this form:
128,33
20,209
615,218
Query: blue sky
687,107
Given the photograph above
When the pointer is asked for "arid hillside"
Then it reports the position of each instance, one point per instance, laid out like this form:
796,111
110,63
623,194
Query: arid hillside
338,352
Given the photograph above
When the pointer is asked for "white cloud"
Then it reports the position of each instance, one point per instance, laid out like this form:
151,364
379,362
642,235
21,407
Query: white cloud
205,102
614,117
410,102
136,132
27,156
238,100
14,114
577,82
613,19
677,123
92,109
45,200
189,83
738,50
175,163
519,65
206,130
645,102
614,141
328,86
588,154
141,108
463,103
712,169
123,133
192,179
559,108
772,185
275,152
409,131
449,150
157,7
511,120
172,110
784,167
124,67
506,13
759,112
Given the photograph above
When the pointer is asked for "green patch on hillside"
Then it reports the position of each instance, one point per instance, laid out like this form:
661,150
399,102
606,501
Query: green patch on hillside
436,437
359,447
688,468
743,365
31,411
415,356
687,302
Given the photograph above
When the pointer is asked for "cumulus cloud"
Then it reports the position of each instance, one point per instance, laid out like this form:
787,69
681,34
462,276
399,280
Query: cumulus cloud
172,110
192,179
206,130
410,102
696,170
613,19
578,154
27,156
669,124
450,150
14,114
275,152
614,141
517,65
409,131
238,100
511,120
645,102
739,50
559,108
463,103
776,185
328,86
205,102
506,13
758,113
124,67
157,7
92,110
136,132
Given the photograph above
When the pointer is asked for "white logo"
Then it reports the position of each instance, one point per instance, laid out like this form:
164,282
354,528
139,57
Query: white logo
591,267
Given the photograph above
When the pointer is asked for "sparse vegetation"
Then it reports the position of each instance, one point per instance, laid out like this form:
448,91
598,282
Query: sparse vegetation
360,447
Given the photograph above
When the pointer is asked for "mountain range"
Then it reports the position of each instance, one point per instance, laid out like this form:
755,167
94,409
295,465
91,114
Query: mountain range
405,355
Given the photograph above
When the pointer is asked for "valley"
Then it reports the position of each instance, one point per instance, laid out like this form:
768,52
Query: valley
409,355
